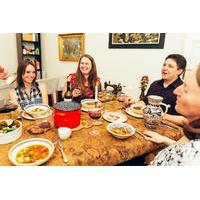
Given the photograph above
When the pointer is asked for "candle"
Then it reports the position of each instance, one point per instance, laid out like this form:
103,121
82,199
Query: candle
96,91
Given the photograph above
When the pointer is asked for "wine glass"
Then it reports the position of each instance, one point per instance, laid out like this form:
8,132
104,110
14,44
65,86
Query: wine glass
120,98
95,114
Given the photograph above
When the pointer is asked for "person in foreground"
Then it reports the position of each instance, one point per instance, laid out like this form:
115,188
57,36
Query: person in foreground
83,82
185,151
28,91
173,66
3,73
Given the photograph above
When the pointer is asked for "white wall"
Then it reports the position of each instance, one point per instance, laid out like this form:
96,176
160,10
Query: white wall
117,65
8,51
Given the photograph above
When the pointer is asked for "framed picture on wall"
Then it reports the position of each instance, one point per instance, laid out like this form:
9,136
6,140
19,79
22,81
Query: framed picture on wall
71,46
136,40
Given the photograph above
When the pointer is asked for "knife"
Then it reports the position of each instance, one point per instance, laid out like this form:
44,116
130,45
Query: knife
62,151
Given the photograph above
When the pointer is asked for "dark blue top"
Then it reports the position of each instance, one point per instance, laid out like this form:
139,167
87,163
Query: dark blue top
190,135
157,88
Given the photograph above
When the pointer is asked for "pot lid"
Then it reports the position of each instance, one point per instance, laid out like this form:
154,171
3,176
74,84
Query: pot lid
67,106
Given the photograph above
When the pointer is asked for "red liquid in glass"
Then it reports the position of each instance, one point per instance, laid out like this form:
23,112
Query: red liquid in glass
95,115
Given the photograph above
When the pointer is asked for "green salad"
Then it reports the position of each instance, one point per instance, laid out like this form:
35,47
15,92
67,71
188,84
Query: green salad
8,126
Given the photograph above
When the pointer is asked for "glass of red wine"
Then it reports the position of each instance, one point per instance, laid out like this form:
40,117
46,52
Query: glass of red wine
95,114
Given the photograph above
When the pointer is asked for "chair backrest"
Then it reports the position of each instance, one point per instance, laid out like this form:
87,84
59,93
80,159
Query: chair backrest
52,89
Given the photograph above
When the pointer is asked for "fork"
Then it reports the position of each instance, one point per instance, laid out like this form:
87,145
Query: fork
62,151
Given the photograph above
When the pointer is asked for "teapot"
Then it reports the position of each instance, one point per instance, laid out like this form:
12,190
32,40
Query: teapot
153,112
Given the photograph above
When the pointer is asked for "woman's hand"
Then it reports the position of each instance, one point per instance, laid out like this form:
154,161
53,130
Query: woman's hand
3,73
157,138
128,101
76,92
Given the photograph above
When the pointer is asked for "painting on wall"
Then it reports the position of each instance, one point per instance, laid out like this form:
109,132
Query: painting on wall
71,46
137,40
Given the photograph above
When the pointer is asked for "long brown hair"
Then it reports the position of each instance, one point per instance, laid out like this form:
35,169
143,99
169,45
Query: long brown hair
20,71
198,75
80,79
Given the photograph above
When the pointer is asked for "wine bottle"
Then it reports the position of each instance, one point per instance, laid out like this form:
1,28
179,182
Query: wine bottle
68,95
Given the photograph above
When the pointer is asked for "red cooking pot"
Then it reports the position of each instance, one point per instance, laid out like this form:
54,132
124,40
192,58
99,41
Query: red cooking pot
67,114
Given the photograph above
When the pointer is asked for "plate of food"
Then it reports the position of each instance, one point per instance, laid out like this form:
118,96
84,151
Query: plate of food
88,104
10,130
31,152
121,130
135,110
36,111
114,116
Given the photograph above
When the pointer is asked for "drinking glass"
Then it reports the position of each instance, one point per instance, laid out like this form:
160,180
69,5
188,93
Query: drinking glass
95,114
120,98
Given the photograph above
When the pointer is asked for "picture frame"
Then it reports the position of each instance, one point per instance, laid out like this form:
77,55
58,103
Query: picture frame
71,46
136,40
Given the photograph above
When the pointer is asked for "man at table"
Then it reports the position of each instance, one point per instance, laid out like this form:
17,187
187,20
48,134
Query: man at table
173,66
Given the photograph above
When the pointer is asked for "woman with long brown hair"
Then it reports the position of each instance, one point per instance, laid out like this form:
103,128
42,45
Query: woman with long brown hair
28,91
83,82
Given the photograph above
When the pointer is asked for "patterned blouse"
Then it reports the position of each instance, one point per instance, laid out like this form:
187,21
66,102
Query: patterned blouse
181,154
25,100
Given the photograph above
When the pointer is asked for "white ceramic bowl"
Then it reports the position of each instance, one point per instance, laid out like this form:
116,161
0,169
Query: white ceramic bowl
121,125
44,110
25,143
64,133
88,104
11,136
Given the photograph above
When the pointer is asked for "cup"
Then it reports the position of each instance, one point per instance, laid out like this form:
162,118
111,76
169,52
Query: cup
64,133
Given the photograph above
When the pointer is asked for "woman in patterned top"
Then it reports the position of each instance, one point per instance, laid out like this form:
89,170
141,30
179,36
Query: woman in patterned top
28,91
185,151
84,80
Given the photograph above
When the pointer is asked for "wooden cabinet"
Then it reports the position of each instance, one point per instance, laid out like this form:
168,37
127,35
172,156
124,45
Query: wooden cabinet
29,48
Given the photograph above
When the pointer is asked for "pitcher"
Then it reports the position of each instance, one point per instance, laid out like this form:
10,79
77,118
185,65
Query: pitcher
153,113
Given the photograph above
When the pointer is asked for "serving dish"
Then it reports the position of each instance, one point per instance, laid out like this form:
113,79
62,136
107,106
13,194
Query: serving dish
114,116
88,104
121,130
20,152
37,110
11,135
30,117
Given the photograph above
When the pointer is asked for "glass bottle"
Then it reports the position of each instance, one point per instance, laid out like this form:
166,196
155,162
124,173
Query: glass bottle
68,95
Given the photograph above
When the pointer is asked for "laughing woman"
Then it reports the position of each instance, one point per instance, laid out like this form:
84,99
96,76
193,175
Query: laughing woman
84,80
28,91
186,151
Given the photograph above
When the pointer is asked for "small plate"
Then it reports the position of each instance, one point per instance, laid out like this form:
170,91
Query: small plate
114,116
89,101
26,116
25,143
131,112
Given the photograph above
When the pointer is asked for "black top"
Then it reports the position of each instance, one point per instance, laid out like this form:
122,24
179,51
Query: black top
157,88
190,135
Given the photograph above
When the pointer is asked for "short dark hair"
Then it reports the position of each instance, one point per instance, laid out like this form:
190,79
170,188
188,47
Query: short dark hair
179,59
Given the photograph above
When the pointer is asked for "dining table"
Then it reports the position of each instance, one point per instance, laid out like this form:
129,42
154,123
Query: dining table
83,149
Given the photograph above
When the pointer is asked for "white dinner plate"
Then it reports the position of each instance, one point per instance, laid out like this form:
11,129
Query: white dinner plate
114,116
26,116
131,112
25,143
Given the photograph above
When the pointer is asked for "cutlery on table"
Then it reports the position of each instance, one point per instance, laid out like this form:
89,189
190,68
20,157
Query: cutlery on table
62,151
